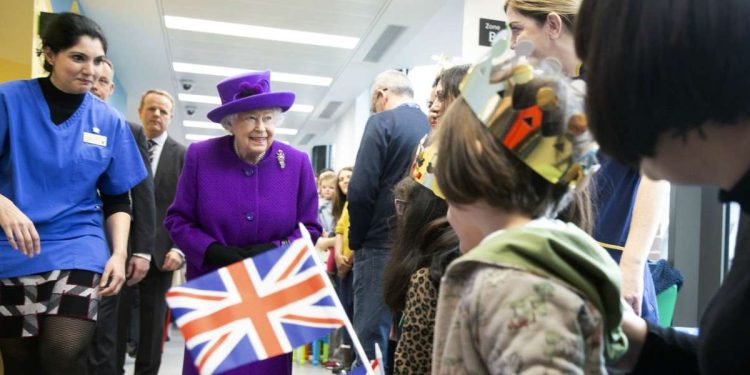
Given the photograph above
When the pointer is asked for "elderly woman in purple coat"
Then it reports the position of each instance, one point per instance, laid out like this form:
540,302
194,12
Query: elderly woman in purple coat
243,194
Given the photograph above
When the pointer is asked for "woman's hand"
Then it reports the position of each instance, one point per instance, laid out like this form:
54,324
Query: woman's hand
343,265
632,286
113,276
19,230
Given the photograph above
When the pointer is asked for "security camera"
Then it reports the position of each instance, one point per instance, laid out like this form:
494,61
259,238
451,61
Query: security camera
186,84
190,110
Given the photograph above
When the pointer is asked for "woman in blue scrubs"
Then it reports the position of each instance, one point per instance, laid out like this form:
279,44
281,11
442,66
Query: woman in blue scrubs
67,161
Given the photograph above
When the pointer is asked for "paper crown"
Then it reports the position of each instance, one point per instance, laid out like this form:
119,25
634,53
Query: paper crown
423,167
534,111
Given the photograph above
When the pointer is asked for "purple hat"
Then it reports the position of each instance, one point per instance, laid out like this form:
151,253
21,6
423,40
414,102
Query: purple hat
249,91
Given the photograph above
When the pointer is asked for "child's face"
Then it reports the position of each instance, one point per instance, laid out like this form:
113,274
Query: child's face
463,221
327,189
344,177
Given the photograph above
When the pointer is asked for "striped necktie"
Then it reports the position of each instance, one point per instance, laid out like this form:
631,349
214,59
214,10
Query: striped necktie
151,146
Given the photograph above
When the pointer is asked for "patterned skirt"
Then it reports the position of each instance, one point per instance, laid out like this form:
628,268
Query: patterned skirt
25,301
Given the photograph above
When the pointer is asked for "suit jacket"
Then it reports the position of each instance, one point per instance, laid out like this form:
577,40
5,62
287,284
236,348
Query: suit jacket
143,205
165,183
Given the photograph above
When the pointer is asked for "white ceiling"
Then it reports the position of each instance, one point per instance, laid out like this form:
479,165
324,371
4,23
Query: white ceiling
143,49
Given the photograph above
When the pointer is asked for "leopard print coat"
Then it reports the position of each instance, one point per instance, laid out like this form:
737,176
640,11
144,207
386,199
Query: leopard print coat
414,349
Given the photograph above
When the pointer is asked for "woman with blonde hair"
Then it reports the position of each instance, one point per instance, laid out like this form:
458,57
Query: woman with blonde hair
626,205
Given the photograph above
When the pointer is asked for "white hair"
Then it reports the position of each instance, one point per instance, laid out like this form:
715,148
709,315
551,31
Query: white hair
278,115
395,81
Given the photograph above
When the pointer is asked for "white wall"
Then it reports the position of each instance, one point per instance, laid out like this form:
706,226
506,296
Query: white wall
346,134
440,33
473,11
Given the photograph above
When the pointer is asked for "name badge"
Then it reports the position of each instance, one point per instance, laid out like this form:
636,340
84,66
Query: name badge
95,139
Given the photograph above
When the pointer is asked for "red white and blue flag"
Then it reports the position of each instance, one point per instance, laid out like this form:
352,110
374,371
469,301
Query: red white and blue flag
256,309
376,365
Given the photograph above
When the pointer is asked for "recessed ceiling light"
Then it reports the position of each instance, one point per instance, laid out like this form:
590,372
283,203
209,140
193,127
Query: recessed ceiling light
286,131
214,126
260,32
302,108
225,71
207,99
199,137
202,125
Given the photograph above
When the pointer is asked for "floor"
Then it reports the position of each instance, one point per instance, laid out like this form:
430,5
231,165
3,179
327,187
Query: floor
172,359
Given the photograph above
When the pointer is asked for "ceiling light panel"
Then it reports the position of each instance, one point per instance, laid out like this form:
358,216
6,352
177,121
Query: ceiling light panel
207,99
260,32
199,137
214,126
202,125
224,71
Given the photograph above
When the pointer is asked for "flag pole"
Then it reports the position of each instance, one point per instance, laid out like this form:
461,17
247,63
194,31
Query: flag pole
348,324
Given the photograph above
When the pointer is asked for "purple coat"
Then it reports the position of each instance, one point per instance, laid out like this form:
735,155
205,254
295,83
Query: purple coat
220,198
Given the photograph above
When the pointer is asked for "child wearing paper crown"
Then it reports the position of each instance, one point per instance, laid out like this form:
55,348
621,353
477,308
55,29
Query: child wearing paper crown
530,292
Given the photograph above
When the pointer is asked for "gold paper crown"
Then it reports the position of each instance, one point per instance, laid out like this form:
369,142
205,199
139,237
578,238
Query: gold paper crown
423,167
534,111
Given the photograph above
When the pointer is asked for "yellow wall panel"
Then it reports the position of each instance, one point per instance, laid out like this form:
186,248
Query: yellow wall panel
17,34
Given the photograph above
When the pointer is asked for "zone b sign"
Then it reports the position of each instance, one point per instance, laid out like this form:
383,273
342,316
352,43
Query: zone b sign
488,30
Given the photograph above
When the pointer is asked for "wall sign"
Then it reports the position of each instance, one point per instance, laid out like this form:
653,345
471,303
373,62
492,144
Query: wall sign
488,30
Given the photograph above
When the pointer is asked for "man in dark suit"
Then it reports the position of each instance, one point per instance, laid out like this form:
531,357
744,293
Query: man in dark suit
102,353
166,158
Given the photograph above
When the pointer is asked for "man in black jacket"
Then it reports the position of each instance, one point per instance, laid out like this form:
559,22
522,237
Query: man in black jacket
166,158
102,353
385,153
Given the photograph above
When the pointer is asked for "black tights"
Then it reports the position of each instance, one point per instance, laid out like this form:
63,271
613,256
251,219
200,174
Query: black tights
59,349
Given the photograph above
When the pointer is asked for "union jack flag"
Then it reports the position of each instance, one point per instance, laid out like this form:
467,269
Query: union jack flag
255,309
375,364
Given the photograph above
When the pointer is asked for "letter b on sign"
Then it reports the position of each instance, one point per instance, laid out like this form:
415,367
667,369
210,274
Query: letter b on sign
489,30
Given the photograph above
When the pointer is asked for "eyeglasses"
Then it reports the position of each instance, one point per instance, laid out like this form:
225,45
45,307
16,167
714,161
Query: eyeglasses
400,206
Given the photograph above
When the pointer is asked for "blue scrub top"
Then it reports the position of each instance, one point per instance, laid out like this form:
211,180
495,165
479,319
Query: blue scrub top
52,173
615,188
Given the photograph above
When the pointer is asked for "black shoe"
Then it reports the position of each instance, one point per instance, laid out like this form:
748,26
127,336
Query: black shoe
131,350
341,370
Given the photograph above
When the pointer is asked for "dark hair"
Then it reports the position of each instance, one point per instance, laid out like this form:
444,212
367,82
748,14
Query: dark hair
422,238
340,198
65,31
674,67
437,78
473,166
451,80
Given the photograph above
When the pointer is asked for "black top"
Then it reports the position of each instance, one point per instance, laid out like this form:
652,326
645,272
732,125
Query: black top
740,193
385,153
63,105
724,327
